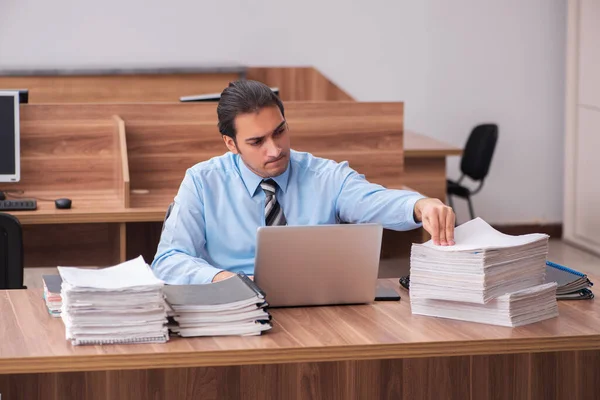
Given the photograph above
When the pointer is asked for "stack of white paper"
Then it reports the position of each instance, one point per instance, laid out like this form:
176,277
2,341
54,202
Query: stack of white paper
234,306
120,304
483,265
462,281
512,309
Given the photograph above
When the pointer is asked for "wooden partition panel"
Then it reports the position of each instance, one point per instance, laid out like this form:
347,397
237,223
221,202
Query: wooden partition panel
368,135
122,182
66,155
123,163
163,140
110,87
165,85
299,83
73,156
82,159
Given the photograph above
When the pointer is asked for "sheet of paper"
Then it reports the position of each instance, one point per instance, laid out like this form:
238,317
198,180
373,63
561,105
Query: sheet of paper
479,235
132,273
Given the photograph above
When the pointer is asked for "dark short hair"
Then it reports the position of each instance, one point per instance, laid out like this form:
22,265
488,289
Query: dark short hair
243,97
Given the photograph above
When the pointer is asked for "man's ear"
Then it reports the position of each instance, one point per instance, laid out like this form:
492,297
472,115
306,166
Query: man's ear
230,143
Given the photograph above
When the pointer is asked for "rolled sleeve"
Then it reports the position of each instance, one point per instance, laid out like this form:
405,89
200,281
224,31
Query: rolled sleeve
360,201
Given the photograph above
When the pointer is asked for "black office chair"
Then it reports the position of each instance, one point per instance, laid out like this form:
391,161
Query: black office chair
11,253
475,162
169,209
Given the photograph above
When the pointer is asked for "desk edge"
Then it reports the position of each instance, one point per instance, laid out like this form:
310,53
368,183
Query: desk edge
218,358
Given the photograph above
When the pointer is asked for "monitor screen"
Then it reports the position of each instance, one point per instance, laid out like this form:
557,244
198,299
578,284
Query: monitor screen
9,137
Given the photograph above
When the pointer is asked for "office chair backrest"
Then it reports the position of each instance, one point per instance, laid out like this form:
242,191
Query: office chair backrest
478,152
169,209
11,253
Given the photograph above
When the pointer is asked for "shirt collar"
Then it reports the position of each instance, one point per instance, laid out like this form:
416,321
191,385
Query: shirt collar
252,181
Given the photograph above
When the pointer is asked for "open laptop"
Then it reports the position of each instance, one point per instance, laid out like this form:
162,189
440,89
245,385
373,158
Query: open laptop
318,265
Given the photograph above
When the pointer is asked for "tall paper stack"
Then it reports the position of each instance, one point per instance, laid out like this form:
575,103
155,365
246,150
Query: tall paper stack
486,277
115,305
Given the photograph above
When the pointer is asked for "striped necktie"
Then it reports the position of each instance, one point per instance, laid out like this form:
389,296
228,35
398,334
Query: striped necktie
273,211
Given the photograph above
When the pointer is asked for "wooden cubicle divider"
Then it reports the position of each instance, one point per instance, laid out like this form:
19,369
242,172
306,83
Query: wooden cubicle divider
114,86
77,159
299,83
164,84
162,145
122,164
122,180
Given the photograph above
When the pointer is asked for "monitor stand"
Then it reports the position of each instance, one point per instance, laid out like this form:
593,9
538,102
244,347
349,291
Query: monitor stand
2,195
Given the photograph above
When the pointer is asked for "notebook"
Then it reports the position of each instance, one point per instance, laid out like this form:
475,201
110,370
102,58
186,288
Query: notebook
52,294
572,285
52,283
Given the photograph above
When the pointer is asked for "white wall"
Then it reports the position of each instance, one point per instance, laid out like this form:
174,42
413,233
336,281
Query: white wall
454,63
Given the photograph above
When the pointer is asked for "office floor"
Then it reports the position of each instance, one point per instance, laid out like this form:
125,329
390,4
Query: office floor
559,252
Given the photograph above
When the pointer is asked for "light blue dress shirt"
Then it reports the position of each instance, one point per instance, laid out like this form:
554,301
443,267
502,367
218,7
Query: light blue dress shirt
220,205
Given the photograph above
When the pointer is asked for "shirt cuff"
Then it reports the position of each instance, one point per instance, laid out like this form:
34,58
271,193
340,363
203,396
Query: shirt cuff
409,211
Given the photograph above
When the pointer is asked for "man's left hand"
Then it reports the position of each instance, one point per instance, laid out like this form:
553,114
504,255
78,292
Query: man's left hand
438,219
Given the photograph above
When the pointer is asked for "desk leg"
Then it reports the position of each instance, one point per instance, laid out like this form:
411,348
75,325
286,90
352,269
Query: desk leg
119,243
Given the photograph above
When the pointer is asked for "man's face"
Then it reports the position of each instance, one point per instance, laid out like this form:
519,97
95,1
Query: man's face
262,141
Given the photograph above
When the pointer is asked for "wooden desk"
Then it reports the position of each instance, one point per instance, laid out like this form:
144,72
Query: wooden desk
342,352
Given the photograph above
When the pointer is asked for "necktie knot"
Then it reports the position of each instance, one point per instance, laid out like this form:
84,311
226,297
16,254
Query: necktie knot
268,185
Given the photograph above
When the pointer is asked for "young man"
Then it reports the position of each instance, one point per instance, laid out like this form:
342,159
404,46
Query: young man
211,231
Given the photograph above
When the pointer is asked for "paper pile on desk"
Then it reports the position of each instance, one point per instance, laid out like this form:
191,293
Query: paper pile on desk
234,306
485,277
115,305
513,309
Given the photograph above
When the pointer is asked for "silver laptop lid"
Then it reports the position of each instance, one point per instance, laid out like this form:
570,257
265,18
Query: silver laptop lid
318,265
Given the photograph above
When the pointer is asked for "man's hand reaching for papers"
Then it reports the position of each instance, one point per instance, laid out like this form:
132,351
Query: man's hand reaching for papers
438,219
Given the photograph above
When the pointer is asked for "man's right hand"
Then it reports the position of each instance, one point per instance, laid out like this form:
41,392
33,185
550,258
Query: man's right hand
222,276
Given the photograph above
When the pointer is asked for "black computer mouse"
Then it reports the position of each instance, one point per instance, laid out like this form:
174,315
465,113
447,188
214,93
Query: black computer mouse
63,204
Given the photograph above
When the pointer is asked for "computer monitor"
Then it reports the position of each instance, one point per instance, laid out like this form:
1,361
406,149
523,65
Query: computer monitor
10,154
212,96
